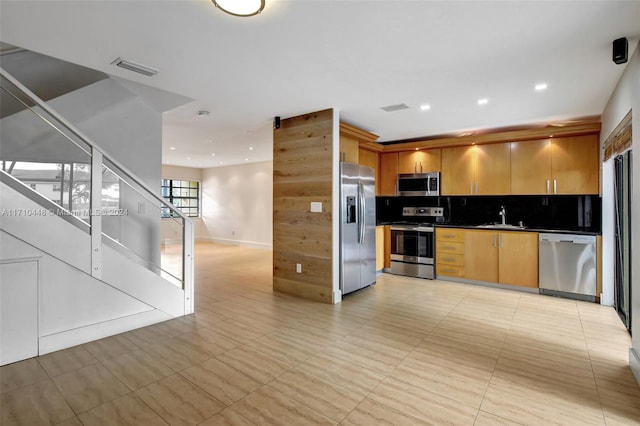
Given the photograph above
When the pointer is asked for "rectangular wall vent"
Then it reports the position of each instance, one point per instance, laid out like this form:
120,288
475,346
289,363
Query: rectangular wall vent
396,107
135,67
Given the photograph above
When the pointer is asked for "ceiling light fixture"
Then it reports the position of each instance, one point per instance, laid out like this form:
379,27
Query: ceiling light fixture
540,86
250,148
425,107
213,154
483,101
173,148
240,7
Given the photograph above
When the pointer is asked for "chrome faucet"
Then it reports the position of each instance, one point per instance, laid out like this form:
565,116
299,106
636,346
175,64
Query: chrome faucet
503,213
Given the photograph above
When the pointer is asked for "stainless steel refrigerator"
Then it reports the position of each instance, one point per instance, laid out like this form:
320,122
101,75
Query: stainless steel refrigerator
357,227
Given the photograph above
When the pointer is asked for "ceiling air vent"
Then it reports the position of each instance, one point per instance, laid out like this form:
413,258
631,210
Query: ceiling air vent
396,107
135,67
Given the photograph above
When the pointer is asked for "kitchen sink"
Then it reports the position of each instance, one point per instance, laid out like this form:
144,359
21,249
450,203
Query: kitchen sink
500,226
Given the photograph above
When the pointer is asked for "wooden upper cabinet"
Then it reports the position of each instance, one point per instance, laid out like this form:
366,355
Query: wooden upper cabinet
370,159
422,161
457,177
531,167
388,173
349,149
575,165
493,169
568,165
476,170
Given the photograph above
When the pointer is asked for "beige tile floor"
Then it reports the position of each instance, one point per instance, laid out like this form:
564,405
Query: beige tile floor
403,352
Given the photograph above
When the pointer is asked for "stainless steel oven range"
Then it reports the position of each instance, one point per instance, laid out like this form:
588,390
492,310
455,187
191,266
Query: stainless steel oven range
412,244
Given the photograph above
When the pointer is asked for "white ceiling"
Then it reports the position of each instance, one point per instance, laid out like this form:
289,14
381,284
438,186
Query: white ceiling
300,56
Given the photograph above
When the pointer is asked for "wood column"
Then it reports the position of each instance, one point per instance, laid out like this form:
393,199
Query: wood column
303,173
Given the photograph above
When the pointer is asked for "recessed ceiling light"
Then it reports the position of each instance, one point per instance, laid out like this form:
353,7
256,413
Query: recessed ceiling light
483,101
173,148
550,136
425,107
188,158
540,86
417,149
246,159
213,154
250,148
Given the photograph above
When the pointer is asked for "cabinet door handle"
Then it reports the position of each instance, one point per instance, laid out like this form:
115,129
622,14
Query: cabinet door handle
421,167
548,183
477,188
501,241
555,186
471,188
495,236
415,167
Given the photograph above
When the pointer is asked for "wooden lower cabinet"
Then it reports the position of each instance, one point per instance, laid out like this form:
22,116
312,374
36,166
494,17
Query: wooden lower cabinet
450,252
518,258
387,246
379,247
481,255
509,257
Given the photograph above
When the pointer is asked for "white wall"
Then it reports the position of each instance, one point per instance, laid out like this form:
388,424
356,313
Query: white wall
626,97
237,204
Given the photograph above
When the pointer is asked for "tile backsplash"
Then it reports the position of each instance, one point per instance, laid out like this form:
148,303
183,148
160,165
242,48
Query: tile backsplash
567,212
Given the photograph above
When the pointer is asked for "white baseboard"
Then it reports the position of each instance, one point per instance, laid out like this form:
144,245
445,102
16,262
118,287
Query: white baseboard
336,297
229,242
78,336
634,363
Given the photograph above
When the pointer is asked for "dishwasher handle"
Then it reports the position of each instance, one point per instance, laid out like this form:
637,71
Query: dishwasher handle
567,238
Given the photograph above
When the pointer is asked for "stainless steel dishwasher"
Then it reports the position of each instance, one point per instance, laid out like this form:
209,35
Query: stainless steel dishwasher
567,265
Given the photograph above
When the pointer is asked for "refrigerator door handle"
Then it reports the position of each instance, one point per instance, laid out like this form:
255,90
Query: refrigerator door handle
361,211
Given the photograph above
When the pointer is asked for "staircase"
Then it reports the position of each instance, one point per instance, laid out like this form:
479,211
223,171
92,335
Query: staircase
80,251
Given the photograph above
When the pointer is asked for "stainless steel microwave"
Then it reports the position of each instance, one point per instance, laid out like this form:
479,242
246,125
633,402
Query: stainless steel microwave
419,184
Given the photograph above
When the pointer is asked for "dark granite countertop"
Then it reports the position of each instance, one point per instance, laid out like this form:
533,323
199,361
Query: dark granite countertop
582,231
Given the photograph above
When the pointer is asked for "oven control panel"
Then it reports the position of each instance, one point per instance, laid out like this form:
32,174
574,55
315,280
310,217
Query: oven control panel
423,211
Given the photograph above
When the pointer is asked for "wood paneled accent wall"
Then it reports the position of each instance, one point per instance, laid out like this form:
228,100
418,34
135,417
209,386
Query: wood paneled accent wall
303,173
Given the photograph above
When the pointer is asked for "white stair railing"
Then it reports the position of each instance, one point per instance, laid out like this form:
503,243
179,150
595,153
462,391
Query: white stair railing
82,180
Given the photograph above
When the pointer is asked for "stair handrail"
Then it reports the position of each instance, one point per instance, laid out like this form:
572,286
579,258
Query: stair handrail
90,142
